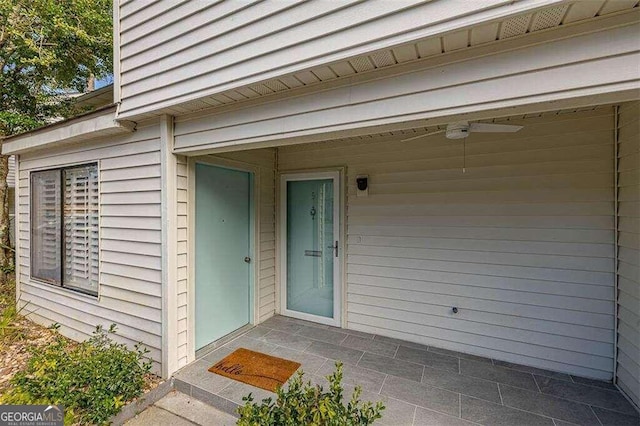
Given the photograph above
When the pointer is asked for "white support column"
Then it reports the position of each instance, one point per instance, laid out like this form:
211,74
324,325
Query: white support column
169,249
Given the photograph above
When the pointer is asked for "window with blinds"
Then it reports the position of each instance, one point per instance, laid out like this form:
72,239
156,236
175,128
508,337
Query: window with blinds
64,227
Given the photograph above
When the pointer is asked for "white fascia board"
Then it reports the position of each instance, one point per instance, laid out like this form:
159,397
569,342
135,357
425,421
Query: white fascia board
73,130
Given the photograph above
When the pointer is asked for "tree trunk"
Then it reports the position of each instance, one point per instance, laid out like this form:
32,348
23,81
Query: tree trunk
6,252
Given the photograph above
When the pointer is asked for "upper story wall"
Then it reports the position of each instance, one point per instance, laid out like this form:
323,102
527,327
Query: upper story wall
173,51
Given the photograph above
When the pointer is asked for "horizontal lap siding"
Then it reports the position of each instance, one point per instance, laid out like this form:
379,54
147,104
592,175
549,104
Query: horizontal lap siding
628,371
266,247
182,199
229,44
522,243
130,242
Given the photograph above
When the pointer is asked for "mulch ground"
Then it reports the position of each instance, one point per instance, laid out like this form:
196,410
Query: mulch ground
14,349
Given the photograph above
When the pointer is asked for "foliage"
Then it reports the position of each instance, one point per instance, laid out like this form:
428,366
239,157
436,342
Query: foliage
48,47
8,311
92,379
304,404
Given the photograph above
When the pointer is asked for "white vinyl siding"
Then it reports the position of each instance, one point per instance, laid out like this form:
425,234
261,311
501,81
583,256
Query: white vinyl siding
130,238
11,173
522,243
628,370
173,51
182,198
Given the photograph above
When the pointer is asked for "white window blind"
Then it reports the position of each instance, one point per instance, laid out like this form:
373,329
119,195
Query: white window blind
45,225
64,227
81,228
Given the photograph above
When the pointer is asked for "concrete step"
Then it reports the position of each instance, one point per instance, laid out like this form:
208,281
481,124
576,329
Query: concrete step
178,409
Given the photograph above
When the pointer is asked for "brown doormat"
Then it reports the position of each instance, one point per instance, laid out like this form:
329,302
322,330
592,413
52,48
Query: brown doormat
255,368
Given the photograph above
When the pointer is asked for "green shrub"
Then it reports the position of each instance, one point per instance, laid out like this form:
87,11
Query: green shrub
303,404
92,379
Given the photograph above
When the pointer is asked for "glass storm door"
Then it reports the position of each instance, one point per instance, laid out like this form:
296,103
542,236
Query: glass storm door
311,267
223,247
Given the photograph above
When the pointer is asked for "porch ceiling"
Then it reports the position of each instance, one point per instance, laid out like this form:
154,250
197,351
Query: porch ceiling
488,32
424,130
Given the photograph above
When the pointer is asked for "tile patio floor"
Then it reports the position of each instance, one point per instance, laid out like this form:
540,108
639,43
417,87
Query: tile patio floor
419,385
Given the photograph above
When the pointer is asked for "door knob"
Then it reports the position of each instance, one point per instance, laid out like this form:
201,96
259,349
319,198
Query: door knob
247,259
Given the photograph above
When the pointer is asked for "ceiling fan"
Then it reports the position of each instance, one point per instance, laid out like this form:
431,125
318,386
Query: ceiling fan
462,129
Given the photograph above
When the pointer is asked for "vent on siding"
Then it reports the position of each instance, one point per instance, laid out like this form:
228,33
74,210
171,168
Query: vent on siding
383,59
515,26
361,64
275,85
548,18
261,89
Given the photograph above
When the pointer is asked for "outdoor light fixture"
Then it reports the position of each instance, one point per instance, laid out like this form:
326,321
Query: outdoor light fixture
362,185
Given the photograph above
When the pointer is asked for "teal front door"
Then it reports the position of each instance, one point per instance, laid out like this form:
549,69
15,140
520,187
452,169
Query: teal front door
222,252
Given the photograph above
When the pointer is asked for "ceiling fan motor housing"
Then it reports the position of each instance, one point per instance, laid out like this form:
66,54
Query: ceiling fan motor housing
457,130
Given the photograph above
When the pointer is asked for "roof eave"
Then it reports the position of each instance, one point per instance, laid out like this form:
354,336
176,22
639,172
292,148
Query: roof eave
96,124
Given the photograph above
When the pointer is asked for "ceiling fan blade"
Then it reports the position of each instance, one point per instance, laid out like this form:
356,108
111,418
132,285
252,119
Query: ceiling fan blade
424,135
493,128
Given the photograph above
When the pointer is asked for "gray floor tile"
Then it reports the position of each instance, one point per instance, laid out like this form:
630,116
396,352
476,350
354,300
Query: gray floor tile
592,382
216,401
461,355
426,417
194,410
396,413
546,405
282,324
158,416
237,390
340,353
307,323
430,359
309,363
462,384
251,344
359,334
182,387
489,414
330,336
368,379
507,376
197,374
392,366
424,396
292,341
395,341
532,370
603,398
257,332
559,422
370,345
612,418
217,355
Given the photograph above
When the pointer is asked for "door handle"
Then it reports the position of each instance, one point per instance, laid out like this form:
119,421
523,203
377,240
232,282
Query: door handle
247,259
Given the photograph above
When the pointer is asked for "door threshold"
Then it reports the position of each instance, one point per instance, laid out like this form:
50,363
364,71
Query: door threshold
203,351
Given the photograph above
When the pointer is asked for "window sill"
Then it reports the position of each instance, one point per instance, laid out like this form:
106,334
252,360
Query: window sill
63,291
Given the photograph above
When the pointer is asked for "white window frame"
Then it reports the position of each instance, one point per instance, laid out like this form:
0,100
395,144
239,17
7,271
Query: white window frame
338,296
60,284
